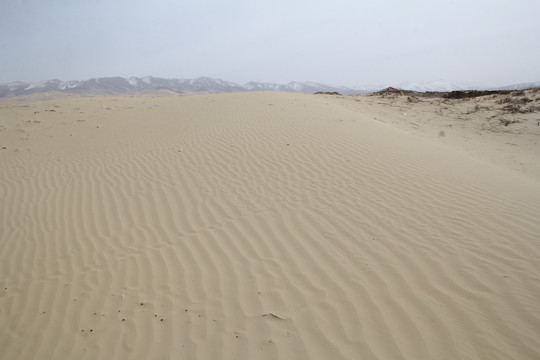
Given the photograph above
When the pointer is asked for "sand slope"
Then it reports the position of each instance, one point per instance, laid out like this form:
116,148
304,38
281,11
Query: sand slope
500,129
256,226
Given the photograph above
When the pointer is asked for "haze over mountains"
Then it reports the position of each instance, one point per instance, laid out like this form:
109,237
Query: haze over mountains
119,85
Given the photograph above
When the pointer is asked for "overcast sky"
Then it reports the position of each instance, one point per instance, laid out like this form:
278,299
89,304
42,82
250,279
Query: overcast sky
339,42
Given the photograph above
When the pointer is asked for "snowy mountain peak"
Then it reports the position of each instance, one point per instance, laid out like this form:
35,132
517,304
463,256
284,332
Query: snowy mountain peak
119,85
439,85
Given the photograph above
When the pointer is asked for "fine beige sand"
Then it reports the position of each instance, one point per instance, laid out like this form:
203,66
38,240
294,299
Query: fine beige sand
268,226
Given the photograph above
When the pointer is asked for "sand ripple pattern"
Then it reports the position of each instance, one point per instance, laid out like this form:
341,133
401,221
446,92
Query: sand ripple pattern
263,226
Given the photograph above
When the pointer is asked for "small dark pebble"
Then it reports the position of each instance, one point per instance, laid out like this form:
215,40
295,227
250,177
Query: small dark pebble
91,330
123,319
155,315
161,320
185,310
4,148
142,304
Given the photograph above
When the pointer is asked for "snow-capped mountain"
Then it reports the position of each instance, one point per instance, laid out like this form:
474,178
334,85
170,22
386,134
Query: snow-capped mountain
119,85
439,86
520,86
447,85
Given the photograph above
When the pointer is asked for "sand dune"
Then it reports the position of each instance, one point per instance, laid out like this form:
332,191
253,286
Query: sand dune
259,226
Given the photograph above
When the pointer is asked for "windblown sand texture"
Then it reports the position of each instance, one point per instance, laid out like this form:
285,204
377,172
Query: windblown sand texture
264,226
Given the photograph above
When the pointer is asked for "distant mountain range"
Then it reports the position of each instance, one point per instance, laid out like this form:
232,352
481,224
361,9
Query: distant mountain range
446,86
132,85
119,85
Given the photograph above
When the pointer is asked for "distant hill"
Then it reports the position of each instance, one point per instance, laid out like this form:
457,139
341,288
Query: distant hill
205,85
447,86
119,85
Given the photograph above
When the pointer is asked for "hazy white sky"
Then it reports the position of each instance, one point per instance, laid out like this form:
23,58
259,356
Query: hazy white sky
340,42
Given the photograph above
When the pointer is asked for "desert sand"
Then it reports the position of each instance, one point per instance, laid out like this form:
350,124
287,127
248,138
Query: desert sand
269,226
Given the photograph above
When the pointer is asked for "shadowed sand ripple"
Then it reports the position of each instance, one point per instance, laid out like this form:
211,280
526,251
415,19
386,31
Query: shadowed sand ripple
172,228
